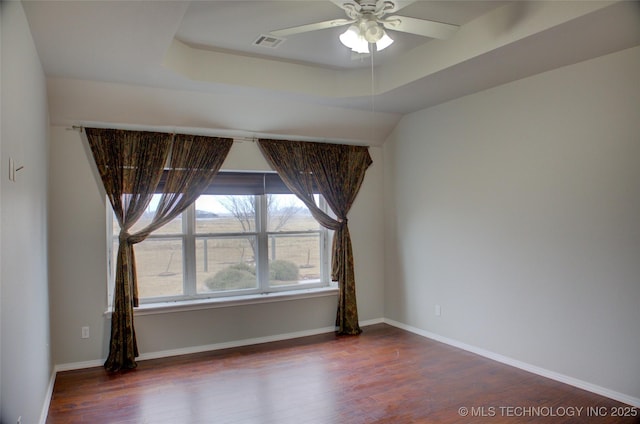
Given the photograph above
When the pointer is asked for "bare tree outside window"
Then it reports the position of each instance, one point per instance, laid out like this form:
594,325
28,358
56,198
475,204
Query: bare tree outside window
243,209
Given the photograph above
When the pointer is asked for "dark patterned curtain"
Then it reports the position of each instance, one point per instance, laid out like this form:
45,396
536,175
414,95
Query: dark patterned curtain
131,164
337,172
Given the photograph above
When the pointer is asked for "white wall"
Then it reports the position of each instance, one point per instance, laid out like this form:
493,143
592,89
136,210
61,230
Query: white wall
78,268
25,363
517,210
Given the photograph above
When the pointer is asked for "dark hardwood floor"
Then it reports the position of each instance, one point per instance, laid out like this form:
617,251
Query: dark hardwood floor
386,375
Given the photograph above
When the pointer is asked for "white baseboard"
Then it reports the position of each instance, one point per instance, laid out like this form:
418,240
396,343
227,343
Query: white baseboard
79,365
47,399
371,322
235,343
247,342
215,346
599,390
201,348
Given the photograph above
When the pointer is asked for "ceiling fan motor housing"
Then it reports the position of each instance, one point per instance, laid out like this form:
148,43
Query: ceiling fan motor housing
370,29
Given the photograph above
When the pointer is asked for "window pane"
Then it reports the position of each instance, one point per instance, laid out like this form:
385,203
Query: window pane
294,259
159,266
225,214
172,227
287,213
224,264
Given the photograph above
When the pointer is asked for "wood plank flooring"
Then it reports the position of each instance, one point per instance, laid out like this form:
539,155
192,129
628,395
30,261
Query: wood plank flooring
386,375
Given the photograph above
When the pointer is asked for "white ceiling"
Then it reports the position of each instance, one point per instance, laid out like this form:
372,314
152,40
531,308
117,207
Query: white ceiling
215,25
193,65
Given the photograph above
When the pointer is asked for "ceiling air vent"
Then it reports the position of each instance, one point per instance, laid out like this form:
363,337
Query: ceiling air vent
268,41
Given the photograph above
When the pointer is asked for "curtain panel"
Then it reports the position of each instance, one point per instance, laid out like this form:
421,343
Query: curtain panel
131,165
336,171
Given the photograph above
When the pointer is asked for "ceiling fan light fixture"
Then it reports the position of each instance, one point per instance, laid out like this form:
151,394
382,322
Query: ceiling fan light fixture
353,39
384,42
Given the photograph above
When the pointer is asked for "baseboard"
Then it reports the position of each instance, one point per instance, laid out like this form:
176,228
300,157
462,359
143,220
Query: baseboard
235,343
216,346
371,322
201,348
47,399
593,388
247,342
79,365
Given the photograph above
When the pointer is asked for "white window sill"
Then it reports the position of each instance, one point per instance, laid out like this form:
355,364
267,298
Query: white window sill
224,302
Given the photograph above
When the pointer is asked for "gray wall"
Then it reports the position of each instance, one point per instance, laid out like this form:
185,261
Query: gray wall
78,268
25,364
517,210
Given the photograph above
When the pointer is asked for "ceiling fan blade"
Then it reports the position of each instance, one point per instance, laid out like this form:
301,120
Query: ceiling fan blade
421,27
311,27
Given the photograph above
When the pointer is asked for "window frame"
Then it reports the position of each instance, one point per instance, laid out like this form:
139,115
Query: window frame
189,237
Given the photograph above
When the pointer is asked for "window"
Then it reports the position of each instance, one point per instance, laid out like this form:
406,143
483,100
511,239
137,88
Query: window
253,238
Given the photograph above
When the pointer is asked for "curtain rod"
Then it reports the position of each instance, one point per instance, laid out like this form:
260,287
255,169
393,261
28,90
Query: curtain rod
80,128
239,138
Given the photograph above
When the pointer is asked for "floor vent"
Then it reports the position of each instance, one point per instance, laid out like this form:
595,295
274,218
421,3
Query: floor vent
268,41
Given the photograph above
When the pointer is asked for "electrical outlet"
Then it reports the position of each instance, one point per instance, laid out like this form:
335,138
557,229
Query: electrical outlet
85,332
438,310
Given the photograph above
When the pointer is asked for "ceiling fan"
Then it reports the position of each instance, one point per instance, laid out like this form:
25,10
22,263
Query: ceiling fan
368,20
